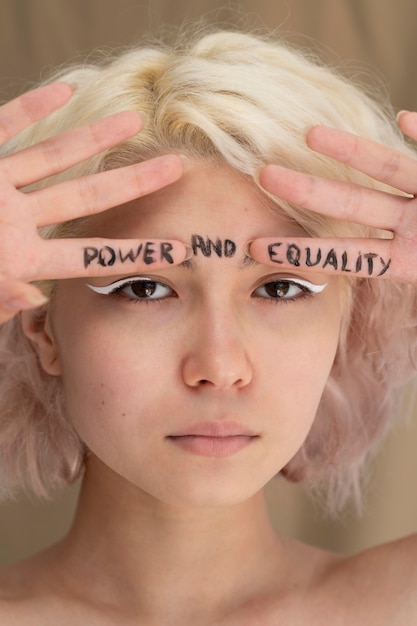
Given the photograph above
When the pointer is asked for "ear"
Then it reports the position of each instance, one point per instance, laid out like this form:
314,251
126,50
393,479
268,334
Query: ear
37,328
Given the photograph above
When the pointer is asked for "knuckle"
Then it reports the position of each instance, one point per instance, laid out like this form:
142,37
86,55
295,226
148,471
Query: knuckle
405,219
95,134
390,167
349,150
353,200
52,156
88,195
308,191
5,130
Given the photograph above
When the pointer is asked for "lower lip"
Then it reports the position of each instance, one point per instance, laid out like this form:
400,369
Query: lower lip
213,446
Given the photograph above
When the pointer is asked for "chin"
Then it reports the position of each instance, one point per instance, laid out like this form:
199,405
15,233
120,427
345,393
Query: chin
208,494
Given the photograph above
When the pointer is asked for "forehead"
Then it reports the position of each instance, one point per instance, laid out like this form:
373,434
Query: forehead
209,200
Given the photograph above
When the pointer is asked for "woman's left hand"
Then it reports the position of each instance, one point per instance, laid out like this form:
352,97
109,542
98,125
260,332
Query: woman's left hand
392,257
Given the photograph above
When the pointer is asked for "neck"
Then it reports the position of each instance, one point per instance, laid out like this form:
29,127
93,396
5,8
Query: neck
154,555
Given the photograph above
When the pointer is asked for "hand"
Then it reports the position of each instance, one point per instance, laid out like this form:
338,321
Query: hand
394,257
24,255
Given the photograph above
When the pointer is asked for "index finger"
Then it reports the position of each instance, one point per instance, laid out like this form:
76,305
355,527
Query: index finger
78,258
381,162
350,257
30,107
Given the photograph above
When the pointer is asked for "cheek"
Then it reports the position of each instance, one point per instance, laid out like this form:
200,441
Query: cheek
112,375
113,370
301,343
113,402
122,382
300,361
295,389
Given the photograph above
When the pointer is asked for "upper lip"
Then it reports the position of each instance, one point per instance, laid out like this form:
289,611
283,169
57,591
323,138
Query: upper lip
215,429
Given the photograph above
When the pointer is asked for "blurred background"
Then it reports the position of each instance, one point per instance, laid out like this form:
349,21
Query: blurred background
374,41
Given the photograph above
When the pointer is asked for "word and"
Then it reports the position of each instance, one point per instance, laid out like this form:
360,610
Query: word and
370,262
207,247
149,252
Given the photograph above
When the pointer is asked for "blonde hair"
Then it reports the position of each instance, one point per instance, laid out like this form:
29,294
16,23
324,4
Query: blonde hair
243,100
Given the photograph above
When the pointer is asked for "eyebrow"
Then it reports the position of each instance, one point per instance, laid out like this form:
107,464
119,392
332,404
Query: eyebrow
246,262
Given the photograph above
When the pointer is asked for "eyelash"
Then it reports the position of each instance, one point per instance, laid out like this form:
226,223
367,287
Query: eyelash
306,290
117,289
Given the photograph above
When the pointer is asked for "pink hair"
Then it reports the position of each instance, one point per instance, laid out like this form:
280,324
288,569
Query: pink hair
246,101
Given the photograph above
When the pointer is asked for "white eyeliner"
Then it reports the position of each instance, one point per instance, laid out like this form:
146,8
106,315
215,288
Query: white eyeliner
123,282
107,289
303,283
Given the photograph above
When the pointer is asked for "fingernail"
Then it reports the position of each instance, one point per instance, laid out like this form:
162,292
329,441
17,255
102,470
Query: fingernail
73,85
400,113
36,298
256,175
186,162
189,253
306,130
246,248
144,117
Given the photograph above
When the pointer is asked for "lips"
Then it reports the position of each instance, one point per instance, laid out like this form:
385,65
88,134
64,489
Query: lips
214,439
216,429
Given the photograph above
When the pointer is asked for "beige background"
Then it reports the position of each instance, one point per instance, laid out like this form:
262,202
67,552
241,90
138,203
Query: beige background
371,38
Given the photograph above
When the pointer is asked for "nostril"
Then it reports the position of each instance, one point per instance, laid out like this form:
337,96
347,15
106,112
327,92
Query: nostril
232,372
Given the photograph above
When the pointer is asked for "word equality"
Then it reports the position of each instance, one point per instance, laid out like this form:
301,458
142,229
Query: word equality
370,262
149,252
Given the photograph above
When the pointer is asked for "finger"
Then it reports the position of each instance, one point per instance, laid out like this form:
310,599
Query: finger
17,296
31,107
95,193
407,121
76,258
349,257
338,199
56,154
380,162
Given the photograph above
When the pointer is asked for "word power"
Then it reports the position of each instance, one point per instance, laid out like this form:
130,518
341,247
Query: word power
149,252
371,262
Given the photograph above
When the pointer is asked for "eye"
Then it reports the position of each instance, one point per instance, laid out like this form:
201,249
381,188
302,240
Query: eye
136,289
287,289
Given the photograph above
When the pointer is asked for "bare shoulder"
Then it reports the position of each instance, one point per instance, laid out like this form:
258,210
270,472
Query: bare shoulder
34,593
16,595
393,564
22,585
381,581
28,593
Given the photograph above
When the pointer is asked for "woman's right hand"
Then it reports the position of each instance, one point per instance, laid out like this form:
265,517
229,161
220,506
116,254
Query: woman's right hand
24,255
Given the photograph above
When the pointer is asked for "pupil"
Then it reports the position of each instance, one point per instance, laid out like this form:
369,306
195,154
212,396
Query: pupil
277,289
143,289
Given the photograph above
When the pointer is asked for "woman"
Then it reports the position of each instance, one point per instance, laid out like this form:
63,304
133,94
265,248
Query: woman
228,320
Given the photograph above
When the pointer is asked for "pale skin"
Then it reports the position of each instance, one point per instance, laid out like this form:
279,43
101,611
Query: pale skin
187,540
394,213
24,256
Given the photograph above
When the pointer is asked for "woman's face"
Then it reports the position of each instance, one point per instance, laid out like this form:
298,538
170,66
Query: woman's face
199,384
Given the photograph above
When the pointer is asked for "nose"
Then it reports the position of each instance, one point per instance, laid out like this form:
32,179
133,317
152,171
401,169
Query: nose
216,355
